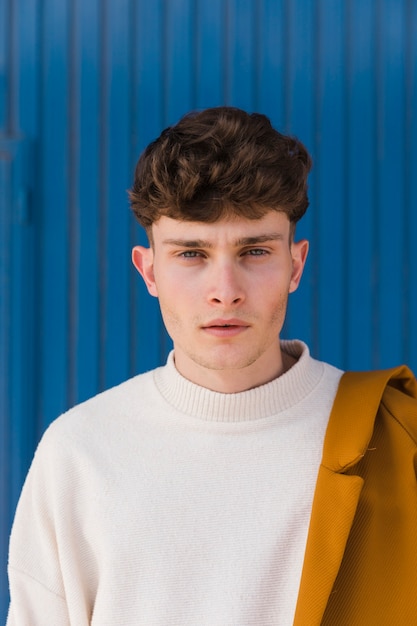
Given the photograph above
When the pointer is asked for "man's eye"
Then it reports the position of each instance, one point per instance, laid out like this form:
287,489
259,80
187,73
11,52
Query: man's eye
256,252
190,254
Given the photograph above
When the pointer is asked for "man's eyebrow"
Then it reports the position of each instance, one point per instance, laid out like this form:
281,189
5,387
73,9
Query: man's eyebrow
242,241
188,243
249,241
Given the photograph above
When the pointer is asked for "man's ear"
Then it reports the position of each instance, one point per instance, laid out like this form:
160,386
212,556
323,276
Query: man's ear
299,251
142,259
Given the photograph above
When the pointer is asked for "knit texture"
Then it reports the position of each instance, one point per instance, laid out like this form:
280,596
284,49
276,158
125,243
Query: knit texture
160,502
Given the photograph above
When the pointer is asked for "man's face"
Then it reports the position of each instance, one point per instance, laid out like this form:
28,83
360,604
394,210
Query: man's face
223,292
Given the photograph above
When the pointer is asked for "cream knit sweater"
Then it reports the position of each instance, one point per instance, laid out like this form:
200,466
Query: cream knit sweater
162,503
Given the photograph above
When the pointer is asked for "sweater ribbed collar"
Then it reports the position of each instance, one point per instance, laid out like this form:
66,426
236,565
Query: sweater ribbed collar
274,397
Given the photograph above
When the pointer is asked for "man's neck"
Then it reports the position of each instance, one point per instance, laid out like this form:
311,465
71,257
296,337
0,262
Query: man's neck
233,380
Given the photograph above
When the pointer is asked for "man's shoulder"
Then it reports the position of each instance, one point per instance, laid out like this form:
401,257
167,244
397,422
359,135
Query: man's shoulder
107,410
116,398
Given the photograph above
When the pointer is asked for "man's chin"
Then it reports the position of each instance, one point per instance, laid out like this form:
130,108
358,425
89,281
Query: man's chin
224,361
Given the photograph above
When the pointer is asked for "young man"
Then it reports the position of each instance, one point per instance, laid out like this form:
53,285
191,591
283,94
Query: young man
244,483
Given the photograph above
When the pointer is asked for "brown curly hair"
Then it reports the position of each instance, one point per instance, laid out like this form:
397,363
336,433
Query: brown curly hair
219,162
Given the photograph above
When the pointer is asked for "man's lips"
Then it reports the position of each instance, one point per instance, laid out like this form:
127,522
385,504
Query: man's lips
225,327
222,323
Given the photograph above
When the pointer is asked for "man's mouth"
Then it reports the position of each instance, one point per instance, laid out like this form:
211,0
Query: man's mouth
225,323
225,328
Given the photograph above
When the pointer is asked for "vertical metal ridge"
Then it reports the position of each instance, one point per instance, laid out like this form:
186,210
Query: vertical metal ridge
253,31
133,88
315,336
40,171
378,148
345,184
164,61
411,218
12,123
409,110
256,36
286,56
7,69
227,54
348,173
347,84
102,186
194,34
4,68
73,210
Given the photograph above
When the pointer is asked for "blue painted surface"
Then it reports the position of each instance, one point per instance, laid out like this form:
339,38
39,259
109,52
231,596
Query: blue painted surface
17,342
85,85
360,184
86,321
330,166
410,327
390,210
209,35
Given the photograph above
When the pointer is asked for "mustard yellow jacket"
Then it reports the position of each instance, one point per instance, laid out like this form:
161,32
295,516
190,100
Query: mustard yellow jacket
360,566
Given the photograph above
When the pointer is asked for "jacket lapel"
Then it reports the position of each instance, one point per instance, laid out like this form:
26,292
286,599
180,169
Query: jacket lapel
333,511
337,494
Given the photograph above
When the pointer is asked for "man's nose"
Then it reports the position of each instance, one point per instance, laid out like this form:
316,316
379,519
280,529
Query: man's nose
226,287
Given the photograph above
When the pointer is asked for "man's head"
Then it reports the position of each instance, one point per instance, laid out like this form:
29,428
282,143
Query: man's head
220,162
219,195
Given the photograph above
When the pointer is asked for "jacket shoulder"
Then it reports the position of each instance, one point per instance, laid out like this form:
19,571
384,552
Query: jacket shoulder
360,398
399,400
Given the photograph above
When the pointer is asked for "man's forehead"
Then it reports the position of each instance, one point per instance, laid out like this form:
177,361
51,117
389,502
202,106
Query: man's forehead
272,226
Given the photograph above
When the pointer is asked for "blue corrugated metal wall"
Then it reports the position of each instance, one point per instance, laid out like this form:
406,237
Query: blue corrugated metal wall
86,84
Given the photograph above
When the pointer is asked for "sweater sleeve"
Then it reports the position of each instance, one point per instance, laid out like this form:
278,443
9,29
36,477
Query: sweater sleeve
34,605
38,551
